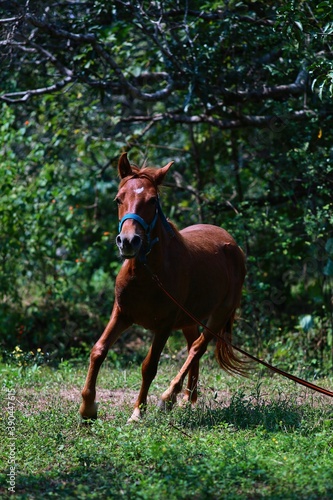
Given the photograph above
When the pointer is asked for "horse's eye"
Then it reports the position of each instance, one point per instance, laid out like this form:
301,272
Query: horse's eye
118,201
153,200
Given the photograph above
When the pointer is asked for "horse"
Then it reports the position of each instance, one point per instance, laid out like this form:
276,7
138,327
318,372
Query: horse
200,266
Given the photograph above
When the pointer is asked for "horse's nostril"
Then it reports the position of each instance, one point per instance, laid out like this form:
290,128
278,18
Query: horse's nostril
128,245
136,241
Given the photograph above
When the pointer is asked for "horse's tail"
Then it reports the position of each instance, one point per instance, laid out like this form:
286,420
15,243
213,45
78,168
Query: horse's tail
228,360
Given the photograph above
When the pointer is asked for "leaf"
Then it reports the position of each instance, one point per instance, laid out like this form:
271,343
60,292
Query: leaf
329,338
299,25
306,322
329,246
328,270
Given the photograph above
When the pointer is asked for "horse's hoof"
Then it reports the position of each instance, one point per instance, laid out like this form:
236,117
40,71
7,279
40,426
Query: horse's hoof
135,417
86,422
185,403
133,420
87,416
165,405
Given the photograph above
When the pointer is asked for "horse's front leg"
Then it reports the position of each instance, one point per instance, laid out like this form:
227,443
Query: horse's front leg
117,324
149,370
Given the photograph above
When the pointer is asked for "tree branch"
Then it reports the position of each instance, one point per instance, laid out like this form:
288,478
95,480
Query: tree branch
104,54
241,122
277,92
101,51
217,16
121,84
131,89
16,97
50,57
9,20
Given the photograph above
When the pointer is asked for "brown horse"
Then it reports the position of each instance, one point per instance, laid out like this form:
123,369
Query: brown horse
201,266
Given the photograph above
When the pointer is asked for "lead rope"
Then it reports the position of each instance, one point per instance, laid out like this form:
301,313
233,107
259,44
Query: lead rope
298,380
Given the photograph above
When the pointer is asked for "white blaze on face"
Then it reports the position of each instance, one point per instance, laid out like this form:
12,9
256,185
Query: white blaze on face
139,190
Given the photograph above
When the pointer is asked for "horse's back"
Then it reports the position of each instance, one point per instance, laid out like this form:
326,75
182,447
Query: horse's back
207,233
206,239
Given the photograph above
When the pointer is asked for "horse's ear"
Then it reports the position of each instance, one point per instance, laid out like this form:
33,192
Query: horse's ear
161,173
124,166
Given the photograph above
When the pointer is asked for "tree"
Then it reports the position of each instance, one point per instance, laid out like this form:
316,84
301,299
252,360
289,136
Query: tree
230,91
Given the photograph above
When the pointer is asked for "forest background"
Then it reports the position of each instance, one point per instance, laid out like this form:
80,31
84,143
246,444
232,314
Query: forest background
238,94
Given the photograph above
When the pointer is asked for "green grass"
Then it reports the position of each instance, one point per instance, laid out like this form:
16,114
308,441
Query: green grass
246,439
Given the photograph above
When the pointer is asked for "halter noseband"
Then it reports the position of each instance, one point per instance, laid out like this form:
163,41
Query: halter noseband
148,228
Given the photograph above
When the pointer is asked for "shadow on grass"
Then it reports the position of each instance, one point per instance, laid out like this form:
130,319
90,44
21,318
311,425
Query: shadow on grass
171,474
81,482
243,413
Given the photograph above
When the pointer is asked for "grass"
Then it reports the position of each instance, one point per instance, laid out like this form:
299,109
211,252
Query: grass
246,439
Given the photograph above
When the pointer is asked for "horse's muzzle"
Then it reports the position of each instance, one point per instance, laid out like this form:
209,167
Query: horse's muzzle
129,246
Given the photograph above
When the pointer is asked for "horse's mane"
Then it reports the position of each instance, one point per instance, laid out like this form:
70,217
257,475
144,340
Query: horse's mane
146,172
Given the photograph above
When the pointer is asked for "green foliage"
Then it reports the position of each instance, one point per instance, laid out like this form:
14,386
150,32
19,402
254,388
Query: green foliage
237,93
56,251
25,359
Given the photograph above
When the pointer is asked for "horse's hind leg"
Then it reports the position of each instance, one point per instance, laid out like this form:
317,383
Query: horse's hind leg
191,334
197,349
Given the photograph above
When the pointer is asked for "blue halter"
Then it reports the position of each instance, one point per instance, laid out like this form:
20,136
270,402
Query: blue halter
148,228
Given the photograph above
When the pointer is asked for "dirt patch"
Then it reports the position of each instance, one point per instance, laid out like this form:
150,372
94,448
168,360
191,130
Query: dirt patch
30,401
118,397
33,401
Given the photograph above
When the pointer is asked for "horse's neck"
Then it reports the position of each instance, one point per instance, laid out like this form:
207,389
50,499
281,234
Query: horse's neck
167,260
165,251
162,250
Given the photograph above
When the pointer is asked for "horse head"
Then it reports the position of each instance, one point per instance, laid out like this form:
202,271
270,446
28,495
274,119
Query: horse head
138,207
